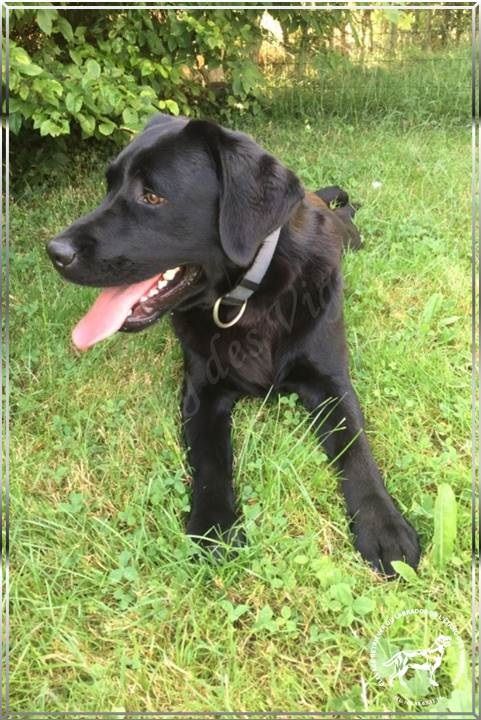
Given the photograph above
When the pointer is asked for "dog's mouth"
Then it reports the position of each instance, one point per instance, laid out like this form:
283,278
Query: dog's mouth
130,308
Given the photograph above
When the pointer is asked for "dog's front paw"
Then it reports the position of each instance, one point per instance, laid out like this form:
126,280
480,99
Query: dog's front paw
383,535
214,529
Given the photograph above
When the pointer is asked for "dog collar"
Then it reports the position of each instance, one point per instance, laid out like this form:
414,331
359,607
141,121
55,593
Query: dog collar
239,295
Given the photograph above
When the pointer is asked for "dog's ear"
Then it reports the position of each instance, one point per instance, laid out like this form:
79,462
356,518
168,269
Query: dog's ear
257,193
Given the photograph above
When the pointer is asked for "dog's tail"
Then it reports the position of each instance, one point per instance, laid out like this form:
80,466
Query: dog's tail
333,195
338,200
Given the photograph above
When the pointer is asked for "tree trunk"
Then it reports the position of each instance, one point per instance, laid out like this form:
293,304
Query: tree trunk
393,34
371,31
427,44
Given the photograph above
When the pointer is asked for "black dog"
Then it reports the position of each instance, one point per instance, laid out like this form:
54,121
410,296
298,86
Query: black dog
200,221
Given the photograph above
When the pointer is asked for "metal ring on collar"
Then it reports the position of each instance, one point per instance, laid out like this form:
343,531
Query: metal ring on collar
218,321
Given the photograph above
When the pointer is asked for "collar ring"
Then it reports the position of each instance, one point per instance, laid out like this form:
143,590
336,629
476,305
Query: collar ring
218,321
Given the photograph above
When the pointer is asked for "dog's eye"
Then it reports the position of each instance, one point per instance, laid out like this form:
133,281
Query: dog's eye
152,199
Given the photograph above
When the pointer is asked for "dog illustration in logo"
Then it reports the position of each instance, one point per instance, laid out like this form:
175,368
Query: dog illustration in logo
405,660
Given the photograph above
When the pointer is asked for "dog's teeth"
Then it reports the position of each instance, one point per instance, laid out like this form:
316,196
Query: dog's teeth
143,298
161,284
153,292
130,312
170,274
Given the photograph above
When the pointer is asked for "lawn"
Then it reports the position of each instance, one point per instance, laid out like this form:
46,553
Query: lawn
110,608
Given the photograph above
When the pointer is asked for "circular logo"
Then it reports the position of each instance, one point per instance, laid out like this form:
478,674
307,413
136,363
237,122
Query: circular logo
419,654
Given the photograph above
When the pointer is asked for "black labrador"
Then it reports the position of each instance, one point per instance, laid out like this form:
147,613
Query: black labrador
201,222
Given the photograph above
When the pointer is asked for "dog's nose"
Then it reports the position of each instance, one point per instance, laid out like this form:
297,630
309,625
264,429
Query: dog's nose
61,251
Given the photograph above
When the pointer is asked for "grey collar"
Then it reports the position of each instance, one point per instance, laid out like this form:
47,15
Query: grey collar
249,283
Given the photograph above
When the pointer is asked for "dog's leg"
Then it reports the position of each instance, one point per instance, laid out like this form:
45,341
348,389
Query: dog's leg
207,425
381,533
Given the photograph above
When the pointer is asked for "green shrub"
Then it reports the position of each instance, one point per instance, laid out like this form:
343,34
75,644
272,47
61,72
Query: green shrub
103,73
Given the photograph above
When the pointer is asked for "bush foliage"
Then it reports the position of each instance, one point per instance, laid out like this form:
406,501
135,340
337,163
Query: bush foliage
106,72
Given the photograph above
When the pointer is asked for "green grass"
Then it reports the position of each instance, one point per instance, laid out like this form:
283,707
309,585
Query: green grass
428,88
109,607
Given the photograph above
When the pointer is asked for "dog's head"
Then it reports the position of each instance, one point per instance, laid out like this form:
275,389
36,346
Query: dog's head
188,203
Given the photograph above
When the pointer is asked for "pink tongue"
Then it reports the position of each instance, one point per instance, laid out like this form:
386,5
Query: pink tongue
109,312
